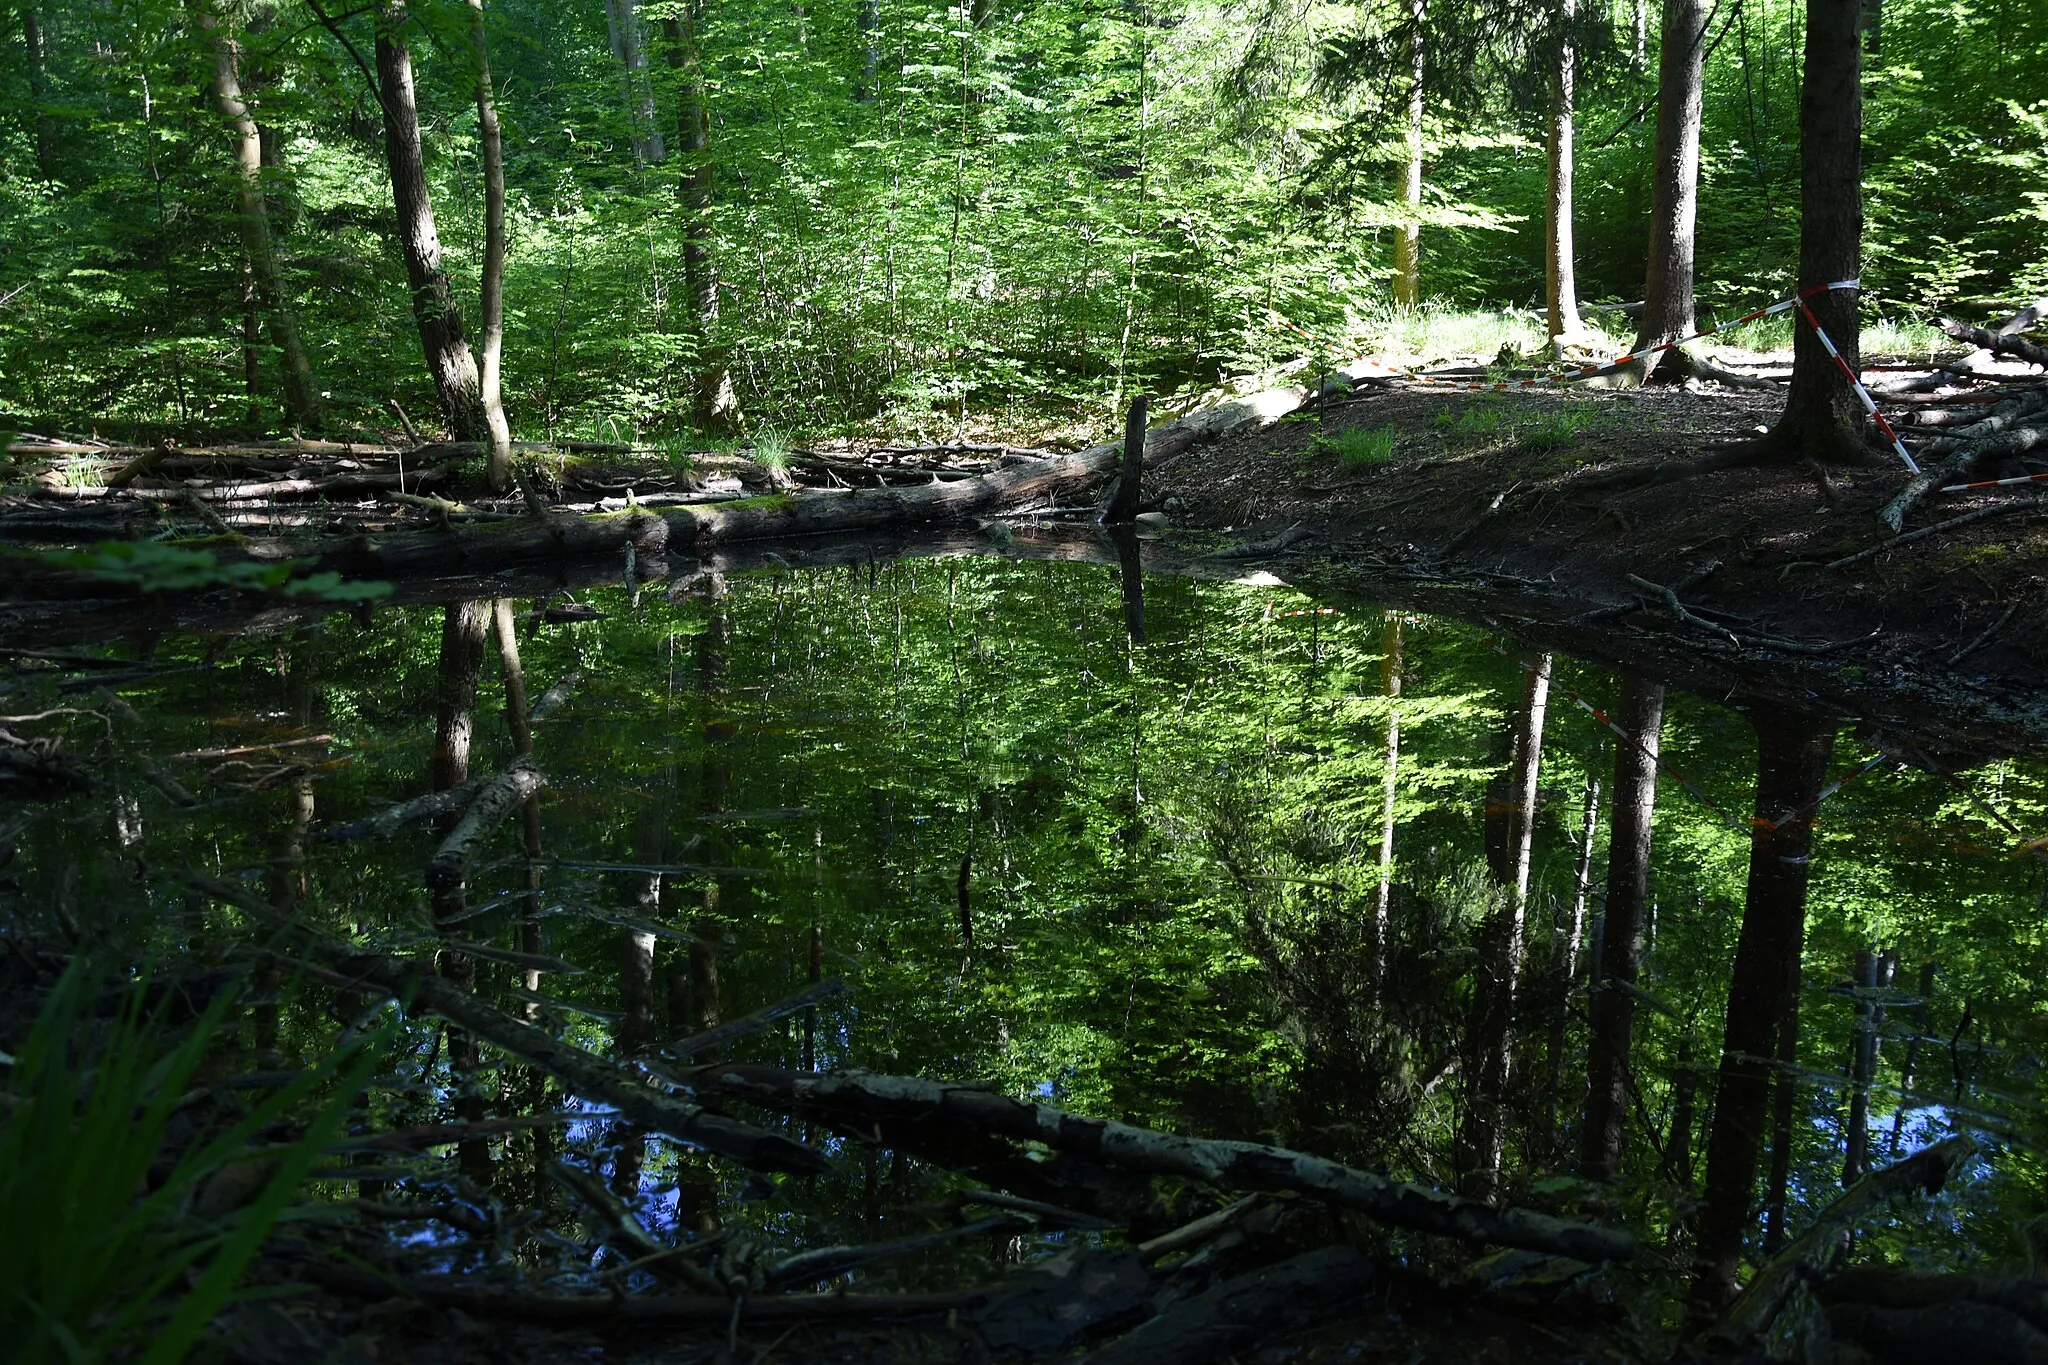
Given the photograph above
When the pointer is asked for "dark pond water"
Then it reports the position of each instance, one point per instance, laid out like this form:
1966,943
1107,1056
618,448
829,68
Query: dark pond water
1183,883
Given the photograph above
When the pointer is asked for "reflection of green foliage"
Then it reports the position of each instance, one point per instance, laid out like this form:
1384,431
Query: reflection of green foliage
155,567
90,1261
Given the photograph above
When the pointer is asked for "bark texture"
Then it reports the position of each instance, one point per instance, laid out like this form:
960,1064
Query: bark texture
252,222
713,405
1408,237
442,341
1628,880
1561,290
491,344
1793,749
1674,196
1823,419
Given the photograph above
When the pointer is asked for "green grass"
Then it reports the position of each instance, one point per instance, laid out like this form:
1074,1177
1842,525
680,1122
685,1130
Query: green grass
771,449
95,1253
1558,428
1360,447
1481,417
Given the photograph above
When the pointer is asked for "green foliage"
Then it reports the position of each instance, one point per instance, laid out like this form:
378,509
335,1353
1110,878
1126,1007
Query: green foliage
1361,447
1557,428
156,567
100,1234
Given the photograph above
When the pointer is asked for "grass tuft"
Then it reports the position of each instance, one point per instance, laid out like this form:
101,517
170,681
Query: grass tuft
1360,447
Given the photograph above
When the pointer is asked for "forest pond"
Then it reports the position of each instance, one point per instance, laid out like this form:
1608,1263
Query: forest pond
1226,871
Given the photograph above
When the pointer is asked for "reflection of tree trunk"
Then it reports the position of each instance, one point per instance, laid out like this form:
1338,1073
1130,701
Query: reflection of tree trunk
636,1033
1784,1101
868,22
449,361
252,220
1131,577
714,654
1560,288
1873,972
1390,681
534,1085
491,316
462,655
1906,1072
285,885
1628,880
1582,877
1674,195
1684,1089
713,404
1792,758
1408,237
1497,977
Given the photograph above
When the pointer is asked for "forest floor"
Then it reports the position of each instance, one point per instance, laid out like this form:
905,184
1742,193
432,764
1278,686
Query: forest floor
1513,489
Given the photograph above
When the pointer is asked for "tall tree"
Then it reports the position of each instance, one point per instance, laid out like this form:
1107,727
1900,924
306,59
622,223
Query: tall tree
629,46
252,220
1675,178
1793,749
42,128
1561,290
1823,418
1408,237
713,405
453,369
1628,880
490,377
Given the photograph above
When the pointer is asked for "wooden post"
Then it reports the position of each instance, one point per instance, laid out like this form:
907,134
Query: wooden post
1123,501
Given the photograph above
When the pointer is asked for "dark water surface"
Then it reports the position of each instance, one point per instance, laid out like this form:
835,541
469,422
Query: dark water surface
1139,880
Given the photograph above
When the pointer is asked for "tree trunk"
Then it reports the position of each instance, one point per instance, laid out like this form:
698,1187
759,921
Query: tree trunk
713,405
252,220
1784,1104
1582,877
629,46
42,128
1498,976
1408,237
1561,290
446,349
1674,195
461,661
1793,749
868,23
1873,972
1390,676
1628,883
490,381
1823,419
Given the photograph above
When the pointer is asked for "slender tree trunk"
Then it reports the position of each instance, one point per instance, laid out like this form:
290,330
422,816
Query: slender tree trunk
1907,1072
461,660
42,127
491,344
1639,54
868,23
713,405
1674,193
1792,759
1873,972
1823,419
454,371
1408,237
1628,885
1390,678
1582,877
252,220
1784,1107
1561,289
1497,979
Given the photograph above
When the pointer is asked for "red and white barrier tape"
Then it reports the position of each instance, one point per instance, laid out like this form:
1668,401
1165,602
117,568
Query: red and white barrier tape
1994,483
1588,371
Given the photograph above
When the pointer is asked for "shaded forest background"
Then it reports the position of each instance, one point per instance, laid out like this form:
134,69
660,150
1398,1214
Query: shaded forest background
929,214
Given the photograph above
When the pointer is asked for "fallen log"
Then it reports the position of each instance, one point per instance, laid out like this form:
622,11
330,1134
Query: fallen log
418,987
388,822
494,802
2000,342
1226,1164
258,490
1230,1318
1811,1253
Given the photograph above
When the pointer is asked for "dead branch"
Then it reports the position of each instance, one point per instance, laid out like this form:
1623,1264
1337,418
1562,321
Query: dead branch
808,1267
1226,1164
2000,342
495,801
580,1072
2022,504
388,822
1813,1251
735,1029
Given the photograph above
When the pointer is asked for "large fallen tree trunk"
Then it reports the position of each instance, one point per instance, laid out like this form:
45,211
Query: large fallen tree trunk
490,546
1225,1164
